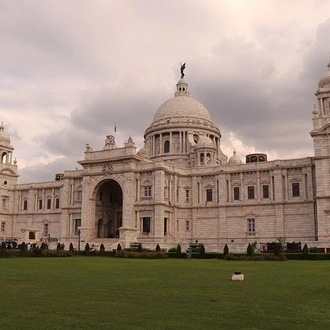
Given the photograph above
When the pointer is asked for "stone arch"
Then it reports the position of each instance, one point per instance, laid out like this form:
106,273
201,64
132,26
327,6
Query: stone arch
108,209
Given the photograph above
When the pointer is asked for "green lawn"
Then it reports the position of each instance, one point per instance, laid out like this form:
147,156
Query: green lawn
110,293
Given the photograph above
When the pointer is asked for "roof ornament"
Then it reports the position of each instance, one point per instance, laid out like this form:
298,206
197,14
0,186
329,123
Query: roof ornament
183,66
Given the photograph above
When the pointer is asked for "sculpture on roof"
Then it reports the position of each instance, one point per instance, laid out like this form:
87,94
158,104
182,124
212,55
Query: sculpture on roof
183,66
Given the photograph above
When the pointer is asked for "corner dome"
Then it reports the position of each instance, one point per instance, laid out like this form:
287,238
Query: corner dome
234,159
325,79
205,141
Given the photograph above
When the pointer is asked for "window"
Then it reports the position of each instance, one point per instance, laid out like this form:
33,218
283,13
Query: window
32,235
202,159
46,229
265,191
57,203
25,205
3,226
4,203
251,226
79,195
236,193
166,147
295,189
146,224
49,204
250,192
101,196
40,204
209,195
147,191
254,159
187,195
77,224
187,225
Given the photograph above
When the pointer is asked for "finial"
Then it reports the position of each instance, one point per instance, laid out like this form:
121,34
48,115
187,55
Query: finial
183,66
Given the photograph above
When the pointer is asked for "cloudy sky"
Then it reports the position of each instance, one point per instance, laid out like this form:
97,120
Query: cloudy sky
70,69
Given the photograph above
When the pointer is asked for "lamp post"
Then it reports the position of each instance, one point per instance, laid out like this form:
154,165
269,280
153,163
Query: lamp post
79,239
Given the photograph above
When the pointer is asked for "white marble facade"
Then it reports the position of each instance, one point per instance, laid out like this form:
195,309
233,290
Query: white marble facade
177,189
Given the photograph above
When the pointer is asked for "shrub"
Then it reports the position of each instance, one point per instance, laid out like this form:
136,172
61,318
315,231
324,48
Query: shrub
313,249
102,248
305,252
139,248
249,250
202,251
158,248
87,247
119,248
37,252
3,249
23,249
71,247
225,251
178,251
43,246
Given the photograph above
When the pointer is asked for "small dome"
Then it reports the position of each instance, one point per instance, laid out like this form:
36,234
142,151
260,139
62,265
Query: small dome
325,79
205,141
4,138
234,159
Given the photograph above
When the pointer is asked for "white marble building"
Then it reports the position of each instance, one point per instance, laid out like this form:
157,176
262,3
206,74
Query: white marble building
177,189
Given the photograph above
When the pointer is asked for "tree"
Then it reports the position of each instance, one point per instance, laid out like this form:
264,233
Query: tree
225,250
87,247
119,248
102,248
158,249
23,249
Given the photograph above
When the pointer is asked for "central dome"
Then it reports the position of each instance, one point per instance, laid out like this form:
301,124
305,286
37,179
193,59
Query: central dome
182,105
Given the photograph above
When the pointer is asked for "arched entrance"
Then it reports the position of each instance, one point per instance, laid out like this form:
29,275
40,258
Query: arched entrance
109,209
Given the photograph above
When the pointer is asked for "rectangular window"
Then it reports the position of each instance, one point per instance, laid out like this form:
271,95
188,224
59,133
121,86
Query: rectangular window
57,203
187,195
3,226
40,204
46,229
147,191
4,203
79,196
251,227
295,189
187,225
77,224
209,195
236,193
25,205
49,204
265,191
250,192
146,224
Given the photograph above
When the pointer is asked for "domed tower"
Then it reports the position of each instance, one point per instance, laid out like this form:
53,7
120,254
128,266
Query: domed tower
183,133
321,140
8,167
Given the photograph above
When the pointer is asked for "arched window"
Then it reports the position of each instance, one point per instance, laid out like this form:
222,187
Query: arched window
166,147
208,158
202,159
261,159
4,157
253,159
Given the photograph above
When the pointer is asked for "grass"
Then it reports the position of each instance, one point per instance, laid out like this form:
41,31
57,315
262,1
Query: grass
109,293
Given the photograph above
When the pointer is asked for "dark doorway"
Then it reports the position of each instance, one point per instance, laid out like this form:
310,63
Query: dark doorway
109,209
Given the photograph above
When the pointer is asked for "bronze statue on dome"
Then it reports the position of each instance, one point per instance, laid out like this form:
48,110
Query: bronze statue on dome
183,66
